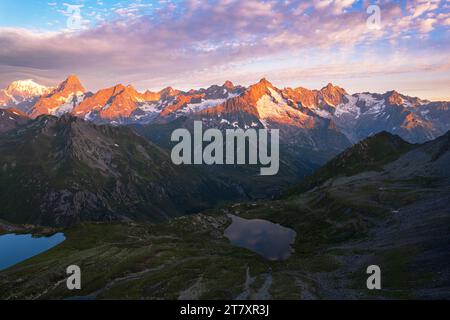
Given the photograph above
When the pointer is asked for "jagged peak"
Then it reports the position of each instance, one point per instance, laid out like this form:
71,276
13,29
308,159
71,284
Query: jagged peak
300,89
256,91
333,95
169,91
151,96
330,87
72,83
228,84
265,82
119,86
72,77
394,98
393,93
130,89
122,89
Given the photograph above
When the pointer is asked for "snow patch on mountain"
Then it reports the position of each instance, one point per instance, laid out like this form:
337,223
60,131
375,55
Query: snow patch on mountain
151,108
68,104
27,87
349,108
205,104
268,108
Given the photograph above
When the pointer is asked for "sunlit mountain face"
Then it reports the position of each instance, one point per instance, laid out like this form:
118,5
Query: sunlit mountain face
93,95
261,105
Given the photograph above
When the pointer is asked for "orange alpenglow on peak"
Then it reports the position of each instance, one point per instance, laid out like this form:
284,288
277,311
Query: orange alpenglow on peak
114,102
412,121
333,95
395,98
71,84
118,88
228,84
265,82
63,94
169,92
246,102
307,98
256,91
151,96
332,88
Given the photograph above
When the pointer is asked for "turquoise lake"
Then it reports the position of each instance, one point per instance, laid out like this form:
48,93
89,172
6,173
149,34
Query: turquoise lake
15,248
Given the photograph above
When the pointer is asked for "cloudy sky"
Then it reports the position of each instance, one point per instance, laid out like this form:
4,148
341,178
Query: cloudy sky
194,43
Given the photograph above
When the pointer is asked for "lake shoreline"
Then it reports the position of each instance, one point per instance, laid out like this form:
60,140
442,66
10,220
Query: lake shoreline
37,231
17,248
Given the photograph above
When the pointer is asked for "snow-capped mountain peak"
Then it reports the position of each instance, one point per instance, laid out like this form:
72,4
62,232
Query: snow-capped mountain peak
60,100
26,88
21,92
261,104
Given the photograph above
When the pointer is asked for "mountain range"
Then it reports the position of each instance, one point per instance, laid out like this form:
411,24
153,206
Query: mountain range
356,116
83,156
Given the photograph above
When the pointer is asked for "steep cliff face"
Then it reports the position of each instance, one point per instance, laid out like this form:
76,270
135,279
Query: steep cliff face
113,103
60,100
71,170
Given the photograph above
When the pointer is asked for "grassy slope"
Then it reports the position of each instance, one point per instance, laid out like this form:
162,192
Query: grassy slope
370,154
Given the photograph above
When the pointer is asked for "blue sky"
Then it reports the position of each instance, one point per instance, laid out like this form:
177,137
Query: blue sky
194,43
51,15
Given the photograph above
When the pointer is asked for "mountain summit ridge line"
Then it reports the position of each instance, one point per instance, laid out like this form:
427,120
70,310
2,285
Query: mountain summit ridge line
260,105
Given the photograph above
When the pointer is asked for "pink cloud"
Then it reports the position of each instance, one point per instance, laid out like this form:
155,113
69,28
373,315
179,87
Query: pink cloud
207,39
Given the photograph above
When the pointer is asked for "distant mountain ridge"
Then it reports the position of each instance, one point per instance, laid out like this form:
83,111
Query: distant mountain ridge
262,104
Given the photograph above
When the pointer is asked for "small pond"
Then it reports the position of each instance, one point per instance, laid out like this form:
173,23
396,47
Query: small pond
270,240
